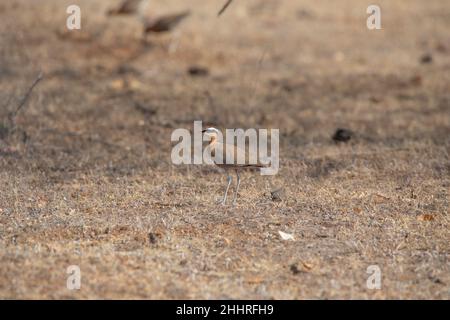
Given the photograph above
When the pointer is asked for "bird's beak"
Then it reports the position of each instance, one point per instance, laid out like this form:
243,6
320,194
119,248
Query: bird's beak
203,131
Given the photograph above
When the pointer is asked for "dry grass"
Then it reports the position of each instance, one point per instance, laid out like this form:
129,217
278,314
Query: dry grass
87,180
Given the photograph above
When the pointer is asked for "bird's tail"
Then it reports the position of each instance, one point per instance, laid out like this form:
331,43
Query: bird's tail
255,166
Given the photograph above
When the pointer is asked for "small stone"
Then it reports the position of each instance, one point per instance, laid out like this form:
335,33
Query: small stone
342,135
426,58
276,195
198,71
153,237
294,269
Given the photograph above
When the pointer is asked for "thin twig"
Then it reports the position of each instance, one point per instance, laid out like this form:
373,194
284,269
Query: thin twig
26,96
224,7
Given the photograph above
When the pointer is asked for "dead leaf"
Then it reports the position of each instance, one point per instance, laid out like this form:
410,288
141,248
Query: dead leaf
300,267
227,240
118,84
357,210
425,217
307,266
254,280
134,84
401,245
41,204
286,236
378,198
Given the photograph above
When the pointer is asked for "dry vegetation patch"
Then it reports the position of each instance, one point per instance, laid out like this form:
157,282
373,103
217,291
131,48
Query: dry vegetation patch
86,177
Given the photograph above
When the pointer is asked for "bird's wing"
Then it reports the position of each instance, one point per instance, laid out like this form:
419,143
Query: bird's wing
231,152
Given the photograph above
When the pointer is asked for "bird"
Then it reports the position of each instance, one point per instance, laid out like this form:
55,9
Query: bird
163,23
212,134
126,7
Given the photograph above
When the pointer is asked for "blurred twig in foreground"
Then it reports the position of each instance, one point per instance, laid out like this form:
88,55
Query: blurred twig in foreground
8,125
125,7
25,98
164,23
224,7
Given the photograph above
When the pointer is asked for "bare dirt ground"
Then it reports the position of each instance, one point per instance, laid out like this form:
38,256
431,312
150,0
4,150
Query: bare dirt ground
87,180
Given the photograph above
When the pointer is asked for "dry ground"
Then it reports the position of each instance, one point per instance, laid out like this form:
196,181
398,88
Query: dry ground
86,179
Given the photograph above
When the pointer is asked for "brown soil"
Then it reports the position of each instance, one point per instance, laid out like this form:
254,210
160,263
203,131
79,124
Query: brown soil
86,177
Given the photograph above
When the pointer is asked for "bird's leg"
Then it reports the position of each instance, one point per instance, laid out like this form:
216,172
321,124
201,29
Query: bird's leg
237,187
226,191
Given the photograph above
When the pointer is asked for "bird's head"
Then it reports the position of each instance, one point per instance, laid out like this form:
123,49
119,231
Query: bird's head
211,133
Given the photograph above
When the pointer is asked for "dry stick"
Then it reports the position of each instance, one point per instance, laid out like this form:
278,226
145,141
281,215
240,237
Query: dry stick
224,7
25,98
256,80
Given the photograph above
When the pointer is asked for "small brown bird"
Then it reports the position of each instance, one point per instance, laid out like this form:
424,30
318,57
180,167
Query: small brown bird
125,7
163,23
214,144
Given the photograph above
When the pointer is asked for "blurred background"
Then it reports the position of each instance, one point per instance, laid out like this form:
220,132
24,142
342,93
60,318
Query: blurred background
85,163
